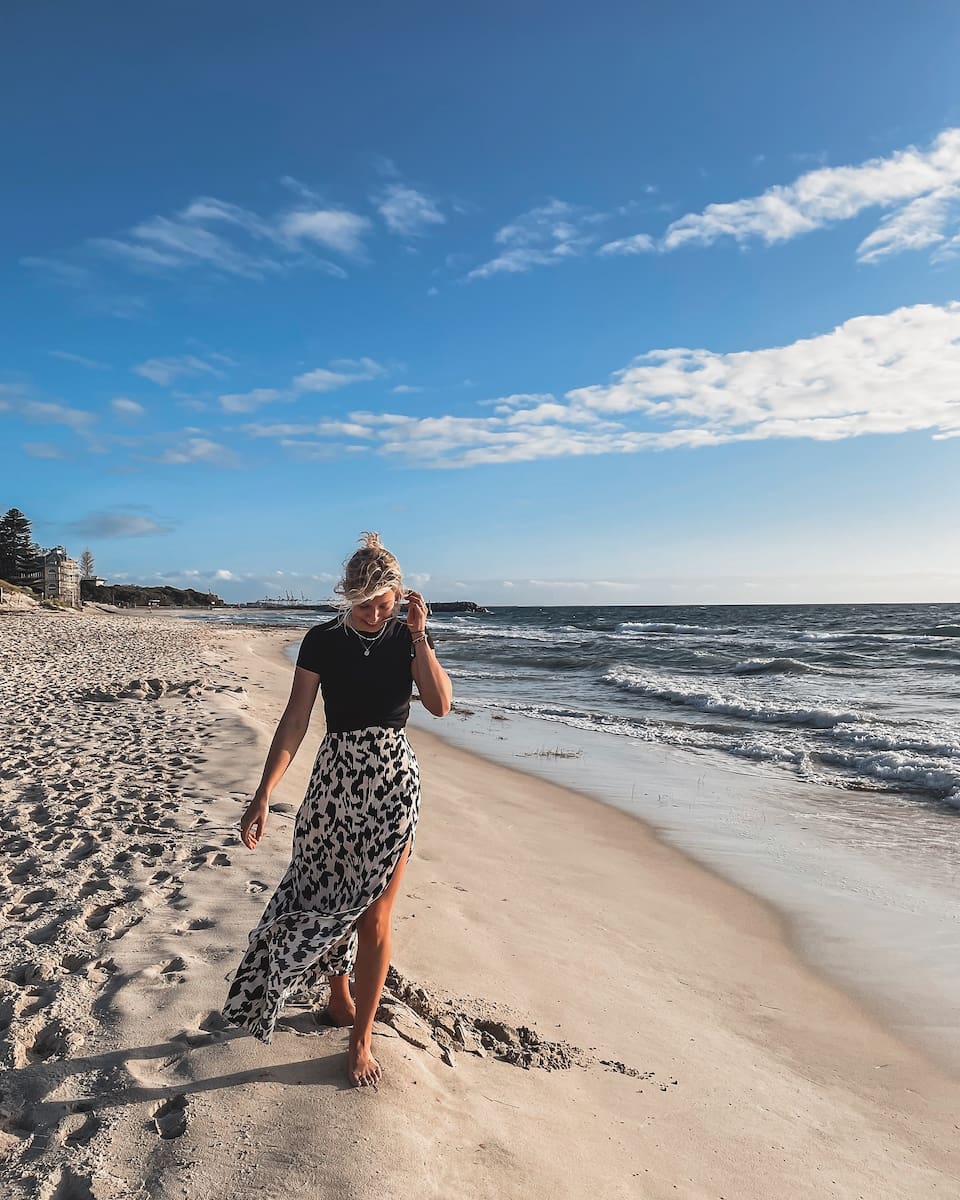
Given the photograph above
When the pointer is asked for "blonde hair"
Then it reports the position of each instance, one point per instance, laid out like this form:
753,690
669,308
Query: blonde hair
367,572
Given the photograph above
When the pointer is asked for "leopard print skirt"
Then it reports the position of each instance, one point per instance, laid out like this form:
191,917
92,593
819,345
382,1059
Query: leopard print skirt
360,811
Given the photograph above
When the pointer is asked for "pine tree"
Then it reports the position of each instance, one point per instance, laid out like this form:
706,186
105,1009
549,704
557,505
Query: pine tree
17,546
86,564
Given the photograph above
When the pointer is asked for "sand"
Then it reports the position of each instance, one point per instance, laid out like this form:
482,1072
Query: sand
574,1006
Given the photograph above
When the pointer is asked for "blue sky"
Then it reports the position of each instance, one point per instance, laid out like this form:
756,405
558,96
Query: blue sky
606,303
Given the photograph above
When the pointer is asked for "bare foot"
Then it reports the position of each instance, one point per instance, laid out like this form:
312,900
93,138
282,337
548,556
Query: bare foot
338,1012
364,1068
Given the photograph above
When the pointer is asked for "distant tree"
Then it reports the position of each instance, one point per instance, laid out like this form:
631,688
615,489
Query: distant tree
17,546
86,564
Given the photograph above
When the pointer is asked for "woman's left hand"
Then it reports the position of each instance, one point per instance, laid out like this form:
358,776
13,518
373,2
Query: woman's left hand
416,613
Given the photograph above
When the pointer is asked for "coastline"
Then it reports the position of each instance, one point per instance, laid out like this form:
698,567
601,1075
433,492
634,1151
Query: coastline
861,923
536,903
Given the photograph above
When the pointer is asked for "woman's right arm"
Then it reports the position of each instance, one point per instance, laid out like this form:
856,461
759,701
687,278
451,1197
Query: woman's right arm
286,742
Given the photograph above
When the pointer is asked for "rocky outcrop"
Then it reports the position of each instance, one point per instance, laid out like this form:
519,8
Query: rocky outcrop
129,595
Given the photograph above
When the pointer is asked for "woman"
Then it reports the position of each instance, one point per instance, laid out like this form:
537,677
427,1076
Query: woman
356,827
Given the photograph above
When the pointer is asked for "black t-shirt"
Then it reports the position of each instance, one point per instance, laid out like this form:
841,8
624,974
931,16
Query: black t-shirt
360,690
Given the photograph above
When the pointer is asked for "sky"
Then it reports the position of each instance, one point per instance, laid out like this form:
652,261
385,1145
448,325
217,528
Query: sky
607,303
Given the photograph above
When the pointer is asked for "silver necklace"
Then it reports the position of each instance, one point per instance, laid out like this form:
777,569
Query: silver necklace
368,641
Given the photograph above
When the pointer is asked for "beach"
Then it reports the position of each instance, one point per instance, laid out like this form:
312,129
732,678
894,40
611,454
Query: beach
630,1022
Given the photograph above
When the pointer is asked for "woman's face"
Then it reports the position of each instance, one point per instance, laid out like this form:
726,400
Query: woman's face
369,617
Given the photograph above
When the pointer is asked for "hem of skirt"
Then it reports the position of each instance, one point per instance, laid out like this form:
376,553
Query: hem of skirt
254,1028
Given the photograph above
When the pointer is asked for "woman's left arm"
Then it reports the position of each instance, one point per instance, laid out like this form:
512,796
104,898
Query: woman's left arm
433,683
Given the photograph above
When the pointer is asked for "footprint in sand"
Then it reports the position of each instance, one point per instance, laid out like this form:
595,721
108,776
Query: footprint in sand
47,933
123,930
170,1117
99,916
194,925
15,1123
30,1008
27,974
15,847
79,1127
51,1041
173,971
208,1030
75,963
254,886
67,1185
84,850
97,884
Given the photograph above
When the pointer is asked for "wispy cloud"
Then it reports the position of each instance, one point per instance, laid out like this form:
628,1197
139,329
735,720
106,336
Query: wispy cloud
348,370
544,236
889,374
46,413
79,360
406,389
127,409
238,402
95,293
117,525
408,212
216,236
165,371
341,373
43,450
199,450
921,187
335,229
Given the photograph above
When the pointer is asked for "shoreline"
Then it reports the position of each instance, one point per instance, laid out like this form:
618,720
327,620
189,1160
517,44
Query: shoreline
842,918
753,1077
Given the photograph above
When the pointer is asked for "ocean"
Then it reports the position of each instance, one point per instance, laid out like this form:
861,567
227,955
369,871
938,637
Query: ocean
856,697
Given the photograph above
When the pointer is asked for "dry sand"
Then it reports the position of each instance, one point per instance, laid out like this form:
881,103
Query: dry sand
575,1008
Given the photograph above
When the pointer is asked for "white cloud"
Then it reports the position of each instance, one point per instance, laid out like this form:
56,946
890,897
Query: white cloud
916,226
216,236
408,212
334,228
79,360
164,371
341,373
922,187
640,243
248,401
45,413
887,374
406,389
349,371
198,450
43,450
544,236
117,524
127,408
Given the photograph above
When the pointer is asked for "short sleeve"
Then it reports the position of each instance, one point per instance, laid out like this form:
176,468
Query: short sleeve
309,656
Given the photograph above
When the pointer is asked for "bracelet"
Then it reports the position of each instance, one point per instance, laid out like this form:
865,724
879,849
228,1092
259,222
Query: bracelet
421,637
